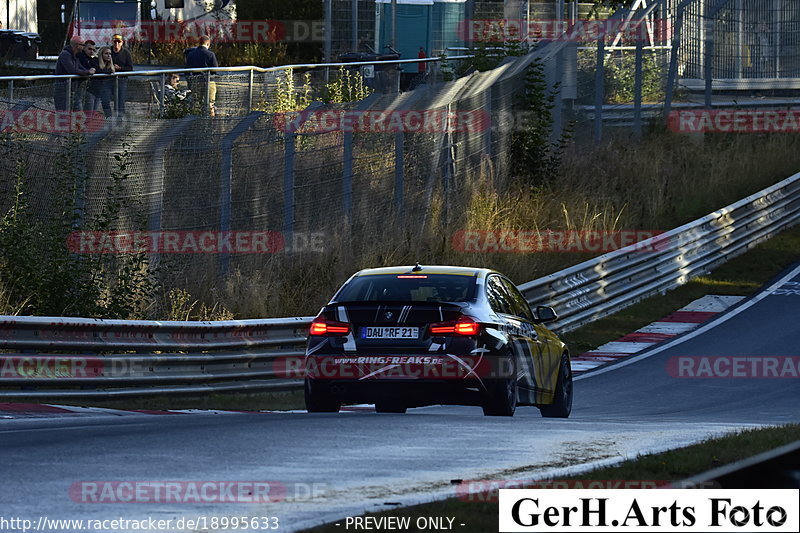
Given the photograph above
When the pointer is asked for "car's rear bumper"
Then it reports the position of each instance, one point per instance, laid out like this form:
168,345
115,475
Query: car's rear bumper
412,380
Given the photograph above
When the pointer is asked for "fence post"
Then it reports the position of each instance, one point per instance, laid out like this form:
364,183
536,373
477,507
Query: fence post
487,132
558,102
347,177
672,74
226,182
69,94
354,23
250,92
637,89
399,163
116,95
288,185
328,8
208,93
161,95
11,91
599,96
708,71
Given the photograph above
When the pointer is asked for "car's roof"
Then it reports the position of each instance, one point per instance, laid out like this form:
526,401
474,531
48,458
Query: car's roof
426,269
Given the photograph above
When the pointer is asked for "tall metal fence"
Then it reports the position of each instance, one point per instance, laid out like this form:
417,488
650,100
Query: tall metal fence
245,170
251,167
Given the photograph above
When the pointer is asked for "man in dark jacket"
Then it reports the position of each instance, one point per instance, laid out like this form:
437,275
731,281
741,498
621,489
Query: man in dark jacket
86,57
202,57
68,63
123,62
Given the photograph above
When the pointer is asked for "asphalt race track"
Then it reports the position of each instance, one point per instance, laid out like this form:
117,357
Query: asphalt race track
344,464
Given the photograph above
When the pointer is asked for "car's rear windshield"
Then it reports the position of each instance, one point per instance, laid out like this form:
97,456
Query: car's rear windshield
408,288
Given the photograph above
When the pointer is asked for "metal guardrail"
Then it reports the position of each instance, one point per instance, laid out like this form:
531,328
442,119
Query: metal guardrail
603,285
115,358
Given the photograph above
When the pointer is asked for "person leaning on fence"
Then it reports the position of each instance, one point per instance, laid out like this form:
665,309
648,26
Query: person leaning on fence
86,58
68,63
101,88
202,57
123,62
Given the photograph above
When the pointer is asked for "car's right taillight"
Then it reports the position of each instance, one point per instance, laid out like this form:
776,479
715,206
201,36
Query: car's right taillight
321,326
463,326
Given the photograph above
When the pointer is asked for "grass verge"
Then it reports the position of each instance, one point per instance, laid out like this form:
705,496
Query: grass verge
674,465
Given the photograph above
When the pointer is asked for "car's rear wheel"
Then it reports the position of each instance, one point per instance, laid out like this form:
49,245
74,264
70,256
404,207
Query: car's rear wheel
319,400
562,403
390,407
502,400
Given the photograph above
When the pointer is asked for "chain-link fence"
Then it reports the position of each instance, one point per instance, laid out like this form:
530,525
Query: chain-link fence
393,167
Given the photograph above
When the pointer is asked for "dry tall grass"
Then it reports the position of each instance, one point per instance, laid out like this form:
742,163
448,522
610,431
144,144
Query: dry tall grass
656,184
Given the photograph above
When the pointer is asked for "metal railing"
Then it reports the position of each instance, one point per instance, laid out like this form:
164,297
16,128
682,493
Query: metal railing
115,358
161,75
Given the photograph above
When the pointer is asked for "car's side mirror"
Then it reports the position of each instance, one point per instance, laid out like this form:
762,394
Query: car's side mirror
545,314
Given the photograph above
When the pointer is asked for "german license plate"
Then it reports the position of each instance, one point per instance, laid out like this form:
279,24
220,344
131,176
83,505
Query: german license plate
389,333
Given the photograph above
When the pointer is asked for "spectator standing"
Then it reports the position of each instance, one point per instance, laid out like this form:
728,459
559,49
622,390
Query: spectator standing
87,60
68,63
422,68
202,57
101,88
123,62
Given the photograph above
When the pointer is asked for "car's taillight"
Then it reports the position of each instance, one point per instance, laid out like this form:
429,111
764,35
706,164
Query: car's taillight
323,326
463,326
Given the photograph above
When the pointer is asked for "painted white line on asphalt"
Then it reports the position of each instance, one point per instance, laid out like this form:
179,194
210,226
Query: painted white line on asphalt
716,321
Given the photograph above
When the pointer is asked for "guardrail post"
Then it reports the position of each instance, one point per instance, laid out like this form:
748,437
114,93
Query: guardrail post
599,96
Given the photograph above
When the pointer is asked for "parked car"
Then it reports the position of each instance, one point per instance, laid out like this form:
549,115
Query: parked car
410,336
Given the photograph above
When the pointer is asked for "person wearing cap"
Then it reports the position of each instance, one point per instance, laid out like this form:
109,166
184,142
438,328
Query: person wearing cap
202,57
123,62
68,63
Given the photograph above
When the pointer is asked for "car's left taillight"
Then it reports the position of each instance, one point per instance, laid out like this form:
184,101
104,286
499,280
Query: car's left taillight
321,326
463,326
